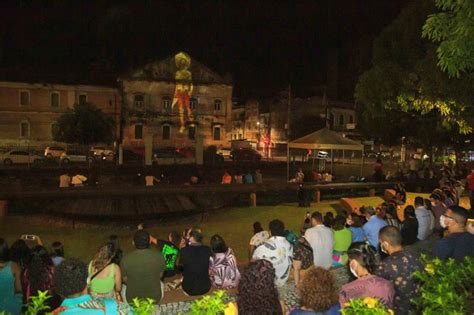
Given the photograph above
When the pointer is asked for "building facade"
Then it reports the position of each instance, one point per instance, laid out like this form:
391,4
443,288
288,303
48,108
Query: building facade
29,111
174,101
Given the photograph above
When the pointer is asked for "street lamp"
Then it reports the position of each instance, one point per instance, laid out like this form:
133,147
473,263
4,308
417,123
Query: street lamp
258,135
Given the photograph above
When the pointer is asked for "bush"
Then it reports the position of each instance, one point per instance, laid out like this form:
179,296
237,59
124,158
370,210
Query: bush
210,304
445,286
366,306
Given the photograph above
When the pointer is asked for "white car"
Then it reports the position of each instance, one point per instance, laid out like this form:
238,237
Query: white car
75,156
56,152
20,157
102,151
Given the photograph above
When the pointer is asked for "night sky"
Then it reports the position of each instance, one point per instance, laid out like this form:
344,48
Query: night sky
262,44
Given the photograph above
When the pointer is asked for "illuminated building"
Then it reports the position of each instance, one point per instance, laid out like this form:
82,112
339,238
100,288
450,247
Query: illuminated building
174,101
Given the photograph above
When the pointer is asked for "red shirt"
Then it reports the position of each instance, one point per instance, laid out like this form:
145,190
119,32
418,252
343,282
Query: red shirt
470,181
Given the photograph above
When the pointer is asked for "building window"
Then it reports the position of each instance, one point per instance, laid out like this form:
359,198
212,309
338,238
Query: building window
55,99
82,99
341,119
138,131
351,119
217,105
217,133
138,100
166,132
192,133
24,129
166,102
193,103
54,130
24,98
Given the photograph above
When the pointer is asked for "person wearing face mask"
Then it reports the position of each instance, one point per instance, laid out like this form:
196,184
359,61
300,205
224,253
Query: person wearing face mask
398,268
459,243
363,262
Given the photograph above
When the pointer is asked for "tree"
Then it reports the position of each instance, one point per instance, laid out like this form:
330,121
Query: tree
406,91
453,29
85,124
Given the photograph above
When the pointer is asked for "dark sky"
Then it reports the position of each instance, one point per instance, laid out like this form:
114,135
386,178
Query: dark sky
263,44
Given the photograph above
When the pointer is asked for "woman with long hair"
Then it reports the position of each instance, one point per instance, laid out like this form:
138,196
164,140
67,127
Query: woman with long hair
57,253
10,282
20,253
223,265
105,276
363,261
38,276
258,294
409,229
318,293
114,241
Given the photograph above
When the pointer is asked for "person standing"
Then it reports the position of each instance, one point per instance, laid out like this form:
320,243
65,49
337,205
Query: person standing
398,268
321,240
142,270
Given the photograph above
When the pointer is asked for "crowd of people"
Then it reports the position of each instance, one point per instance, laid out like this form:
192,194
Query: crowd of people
370,245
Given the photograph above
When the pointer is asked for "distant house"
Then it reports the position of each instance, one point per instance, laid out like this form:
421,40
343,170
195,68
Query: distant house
29,111
174,101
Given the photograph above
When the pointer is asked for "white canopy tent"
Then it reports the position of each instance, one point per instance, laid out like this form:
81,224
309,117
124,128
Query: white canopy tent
325,139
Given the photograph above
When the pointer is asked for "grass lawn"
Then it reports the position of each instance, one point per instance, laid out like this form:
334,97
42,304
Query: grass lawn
233,224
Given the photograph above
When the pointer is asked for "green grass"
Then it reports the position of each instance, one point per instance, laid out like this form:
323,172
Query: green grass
233,224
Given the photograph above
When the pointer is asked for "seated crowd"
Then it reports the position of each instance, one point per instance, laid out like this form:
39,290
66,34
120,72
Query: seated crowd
370,246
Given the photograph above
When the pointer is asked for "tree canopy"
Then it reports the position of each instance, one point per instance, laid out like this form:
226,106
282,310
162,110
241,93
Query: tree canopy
405,93
453,29
85,124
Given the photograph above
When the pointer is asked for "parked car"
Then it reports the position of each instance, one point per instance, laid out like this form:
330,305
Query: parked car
102,151
75,156
245,154
169,156
225,152
55,152
20,157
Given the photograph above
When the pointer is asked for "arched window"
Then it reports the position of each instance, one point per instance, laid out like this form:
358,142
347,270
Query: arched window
341,119
351,119
24,129
166,135
55,99
192,132
217,105
138,131
166,103
138,100
193,103
216,132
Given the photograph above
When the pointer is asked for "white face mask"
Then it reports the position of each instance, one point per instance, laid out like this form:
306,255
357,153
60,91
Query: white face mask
353,271
442,221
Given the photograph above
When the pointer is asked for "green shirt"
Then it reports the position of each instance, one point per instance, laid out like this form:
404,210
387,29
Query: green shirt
342,242
143,269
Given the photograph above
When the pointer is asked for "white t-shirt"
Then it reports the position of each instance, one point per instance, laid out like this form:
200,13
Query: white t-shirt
78,180
259,238
279,252
321,239
64,181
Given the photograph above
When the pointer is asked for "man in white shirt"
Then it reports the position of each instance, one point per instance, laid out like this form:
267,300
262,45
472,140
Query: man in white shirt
278,251
321,239
425,219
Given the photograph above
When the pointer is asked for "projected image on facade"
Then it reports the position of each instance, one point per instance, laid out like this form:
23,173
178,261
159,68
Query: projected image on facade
184,88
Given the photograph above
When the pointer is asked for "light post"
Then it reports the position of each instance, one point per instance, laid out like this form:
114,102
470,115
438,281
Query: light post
258,135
